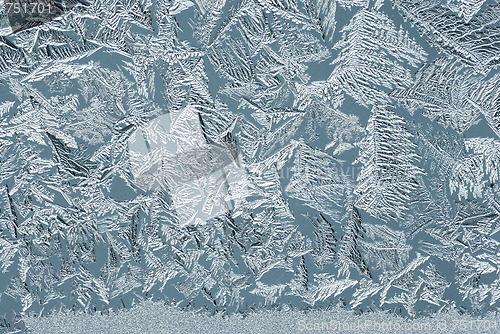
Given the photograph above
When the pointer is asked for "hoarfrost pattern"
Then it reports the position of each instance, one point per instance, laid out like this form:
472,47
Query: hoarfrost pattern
234,156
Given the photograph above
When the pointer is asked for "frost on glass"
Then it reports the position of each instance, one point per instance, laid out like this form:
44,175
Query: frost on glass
235,157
